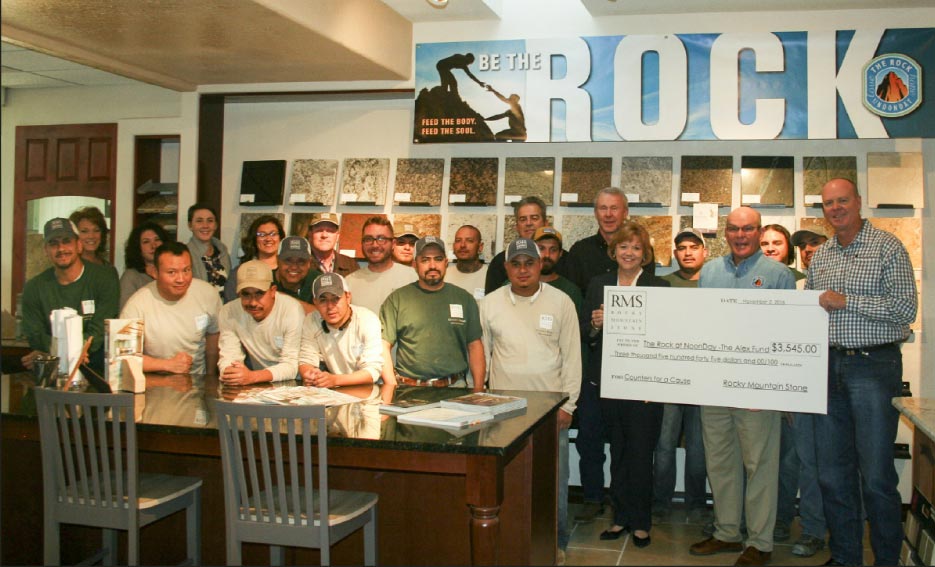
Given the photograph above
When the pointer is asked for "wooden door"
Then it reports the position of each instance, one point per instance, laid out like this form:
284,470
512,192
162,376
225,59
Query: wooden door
60,160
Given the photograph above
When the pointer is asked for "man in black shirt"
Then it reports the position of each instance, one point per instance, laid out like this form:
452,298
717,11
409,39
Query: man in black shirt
588,257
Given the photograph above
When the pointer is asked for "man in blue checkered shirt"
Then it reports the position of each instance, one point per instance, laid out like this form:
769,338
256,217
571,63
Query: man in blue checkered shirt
870,295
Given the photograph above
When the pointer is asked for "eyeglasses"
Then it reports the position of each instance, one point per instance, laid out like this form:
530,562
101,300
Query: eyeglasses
378,239
749,229
268,234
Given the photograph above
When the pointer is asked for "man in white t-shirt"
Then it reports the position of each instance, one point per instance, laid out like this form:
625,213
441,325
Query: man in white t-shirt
180,315
265,324
470,271
375,282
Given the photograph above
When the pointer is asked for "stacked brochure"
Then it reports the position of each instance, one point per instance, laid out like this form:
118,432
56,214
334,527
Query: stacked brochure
408,405
483,401
296,396
461,412
445,418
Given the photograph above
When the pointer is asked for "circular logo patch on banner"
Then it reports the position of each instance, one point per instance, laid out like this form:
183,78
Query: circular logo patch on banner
892,85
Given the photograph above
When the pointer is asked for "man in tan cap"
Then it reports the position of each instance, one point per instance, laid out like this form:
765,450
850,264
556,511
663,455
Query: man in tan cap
265,324
323,233
405,245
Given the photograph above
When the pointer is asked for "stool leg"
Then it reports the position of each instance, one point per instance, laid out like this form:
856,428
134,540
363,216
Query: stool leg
50,545
109,543
276,555
370,539
193,528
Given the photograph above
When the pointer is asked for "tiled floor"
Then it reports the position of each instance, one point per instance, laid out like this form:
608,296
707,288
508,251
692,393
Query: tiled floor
671,540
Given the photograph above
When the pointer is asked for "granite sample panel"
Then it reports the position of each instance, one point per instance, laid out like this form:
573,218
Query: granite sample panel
786,221
766,180
706,179
818,170
473,181
37,261
908,231
582,178
509,228
647,180
715,243
485,223
365,180
529,177
810,223
895,179
298,224
419,181
425,224
577,227
314,182
660,234
917,324
352,225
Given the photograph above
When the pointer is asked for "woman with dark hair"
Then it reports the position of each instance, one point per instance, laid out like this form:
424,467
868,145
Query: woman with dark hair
776,243
138,257
210,260
633,424
92,232
260,242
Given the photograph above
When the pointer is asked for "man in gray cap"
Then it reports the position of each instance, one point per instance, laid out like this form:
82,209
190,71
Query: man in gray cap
295,274
690,252
807,241
90,289
435,325
323,234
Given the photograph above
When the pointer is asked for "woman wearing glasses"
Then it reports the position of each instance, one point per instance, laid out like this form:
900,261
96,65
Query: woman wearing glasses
261,242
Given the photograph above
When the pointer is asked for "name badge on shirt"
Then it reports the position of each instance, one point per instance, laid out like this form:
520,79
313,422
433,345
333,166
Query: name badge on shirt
201,417
545,322
279,341
201,322
456,311
87,307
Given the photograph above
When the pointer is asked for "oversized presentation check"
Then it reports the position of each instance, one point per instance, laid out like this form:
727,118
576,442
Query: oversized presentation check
763,349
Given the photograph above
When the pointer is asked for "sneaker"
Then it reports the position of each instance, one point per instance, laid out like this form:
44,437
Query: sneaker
808,545
589,511
781,531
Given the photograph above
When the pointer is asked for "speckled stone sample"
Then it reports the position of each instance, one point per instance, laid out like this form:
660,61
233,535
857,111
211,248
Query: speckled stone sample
577,227
908,231
509,228
485,223
529,177
37,261
419,181
810,223
314,181
298,224
818,170
895,179
716,244
649,178
473,181
425,224
766,180
365,180
706,179
660,234
352,225
582,178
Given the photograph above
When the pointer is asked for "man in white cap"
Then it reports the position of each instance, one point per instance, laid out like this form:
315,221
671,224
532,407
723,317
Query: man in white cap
341,343
263,323
405,244
323,233
90,289
295,274
532,337
807,241
470,271
435,325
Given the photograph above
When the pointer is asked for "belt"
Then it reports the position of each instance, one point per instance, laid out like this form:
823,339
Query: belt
849,351
433,382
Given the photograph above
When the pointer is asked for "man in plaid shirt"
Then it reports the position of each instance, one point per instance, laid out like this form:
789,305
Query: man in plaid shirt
870,295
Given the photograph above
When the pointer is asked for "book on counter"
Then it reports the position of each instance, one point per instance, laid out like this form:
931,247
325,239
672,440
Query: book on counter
445,418
485,402
409,405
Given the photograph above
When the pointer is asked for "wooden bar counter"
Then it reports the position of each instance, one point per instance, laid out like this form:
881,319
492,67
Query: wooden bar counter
487,497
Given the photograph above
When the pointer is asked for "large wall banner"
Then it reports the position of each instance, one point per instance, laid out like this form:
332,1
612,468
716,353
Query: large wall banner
868,83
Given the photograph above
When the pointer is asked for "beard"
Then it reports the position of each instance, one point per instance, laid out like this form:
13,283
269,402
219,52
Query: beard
547,267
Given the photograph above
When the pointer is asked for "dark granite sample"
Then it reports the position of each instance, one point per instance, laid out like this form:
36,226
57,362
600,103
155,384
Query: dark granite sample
660,234
424,224
352,225
529,177
473,181
766,180
365,180
582,178
715,243
650,178
485,223
818,170
419,181
314,181
707,177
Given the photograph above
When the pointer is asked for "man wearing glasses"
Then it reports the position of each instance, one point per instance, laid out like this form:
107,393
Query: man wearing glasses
373,283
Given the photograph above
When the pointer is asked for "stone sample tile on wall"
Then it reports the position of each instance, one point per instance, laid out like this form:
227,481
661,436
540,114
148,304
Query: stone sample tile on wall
766,180
647,180
473,181
818,170
917,324
485,223
707,179
908,231
419,181
660,234
298,224
895,179
364,180
811,223
425,224
575,228
509,228
314,182
582,178
352,225
529,177
715,243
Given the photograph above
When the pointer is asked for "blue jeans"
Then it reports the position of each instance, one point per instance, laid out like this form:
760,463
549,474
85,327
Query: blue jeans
563,488
674,419
788,474
810,503
590,441
856,454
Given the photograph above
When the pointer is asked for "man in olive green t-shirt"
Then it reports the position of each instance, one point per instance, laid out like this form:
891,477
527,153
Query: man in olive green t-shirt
435,326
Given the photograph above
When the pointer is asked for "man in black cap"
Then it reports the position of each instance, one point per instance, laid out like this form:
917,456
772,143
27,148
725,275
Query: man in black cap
807,241
295,274
90,289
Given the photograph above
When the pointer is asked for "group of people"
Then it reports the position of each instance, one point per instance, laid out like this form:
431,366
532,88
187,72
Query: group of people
532,319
